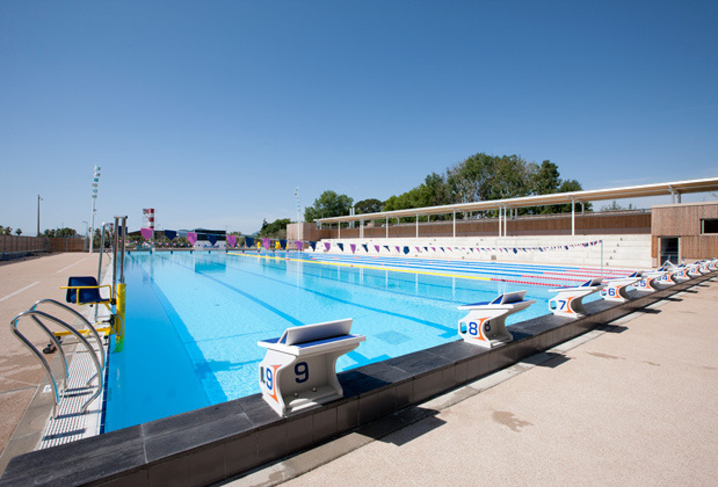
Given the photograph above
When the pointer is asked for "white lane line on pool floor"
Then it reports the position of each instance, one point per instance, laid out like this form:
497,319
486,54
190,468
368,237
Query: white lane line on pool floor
18,291
71,265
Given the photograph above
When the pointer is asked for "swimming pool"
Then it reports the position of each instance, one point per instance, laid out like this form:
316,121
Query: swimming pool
194,319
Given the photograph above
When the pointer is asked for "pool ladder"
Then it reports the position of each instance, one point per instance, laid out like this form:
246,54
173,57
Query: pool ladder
40,318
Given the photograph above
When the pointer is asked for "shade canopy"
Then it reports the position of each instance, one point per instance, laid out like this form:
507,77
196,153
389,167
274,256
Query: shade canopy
658,189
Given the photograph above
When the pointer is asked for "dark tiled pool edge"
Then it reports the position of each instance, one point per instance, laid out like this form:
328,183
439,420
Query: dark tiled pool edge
222,441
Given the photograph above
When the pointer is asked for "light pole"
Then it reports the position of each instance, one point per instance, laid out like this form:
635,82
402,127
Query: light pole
299,226
39,199
95,181
87,225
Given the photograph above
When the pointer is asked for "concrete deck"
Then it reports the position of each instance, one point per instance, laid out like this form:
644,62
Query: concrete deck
21,284
633,404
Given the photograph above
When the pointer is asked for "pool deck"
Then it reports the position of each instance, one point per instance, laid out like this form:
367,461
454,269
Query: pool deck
23,282
633,403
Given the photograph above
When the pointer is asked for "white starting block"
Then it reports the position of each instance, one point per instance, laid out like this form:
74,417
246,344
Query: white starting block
694,270
713,265
680,274
669,277
616,289
705,267
568,301
485,325
648,283
299,370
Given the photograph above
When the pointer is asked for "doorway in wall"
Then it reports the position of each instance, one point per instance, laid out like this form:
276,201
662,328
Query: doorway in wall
670,249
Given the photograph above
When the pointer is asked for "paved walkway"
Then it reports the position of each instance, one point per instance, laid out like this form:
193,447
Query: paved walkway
21,284
636,404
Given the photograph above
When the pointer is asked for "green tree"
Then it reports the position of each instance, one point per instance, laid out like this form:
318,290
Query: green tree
18,232
471,180
547,179
371,205
5,230
276,229
60,232
437,190
328,204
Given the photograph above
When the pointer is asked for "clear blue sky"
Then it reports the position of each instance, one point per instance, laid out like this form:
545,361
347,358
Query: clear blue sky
213,112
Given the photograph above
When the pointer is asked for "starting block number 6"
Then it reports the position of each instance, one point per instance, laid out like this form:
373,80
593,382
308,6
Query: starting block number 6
611,292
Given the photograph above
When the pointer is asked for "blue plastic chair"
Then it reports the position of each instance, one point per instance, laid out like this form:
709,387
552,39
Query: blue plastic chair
85,290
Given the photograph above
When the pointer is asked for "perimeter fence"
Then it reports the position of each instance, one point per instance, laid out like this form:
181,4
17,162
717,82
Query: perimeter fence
14,247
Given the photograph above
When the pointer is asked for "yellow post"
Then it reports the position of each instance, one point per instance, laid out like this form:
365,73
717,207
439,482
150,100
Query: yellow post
120,318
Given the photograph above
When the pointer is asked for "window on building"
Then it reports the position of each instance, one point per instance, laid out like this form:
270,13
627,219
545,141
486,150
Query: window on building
710,225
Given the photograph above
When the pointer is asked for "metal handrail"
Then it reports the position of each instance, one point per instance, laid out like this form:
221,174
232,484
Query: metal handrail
41,314
82,318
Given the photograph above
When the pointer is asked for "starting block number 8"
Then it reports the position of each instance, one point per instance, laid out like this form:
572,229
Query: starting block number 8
473,328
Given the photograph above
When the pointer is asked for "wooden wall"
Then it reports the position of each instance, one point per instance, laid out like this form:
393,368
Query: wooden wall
12,246
67,245
638,222
684,221
309,232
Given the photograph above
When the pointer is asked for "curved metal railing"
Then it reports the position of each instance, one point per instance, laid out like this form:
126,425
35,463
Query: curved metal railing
38,317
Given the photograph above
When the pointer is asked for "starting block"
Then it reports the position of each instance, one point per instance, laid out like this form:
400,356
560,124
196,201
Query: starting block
568,301
648,283
669,277
615,289
299,369
713,265
681,274
485,325
694,270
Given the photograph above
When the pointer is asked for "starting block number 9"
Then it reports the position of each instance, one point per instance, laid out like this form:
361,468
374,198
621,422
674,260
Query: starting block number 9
301,371
269,378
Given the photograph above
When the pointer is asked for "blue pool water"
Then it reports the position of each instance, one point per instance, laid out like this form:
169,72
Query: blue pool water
193,322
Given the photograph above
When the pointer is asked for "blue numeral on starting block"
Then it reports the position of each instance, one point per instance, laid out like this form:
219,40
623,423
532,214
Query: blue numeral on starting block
301,370
473,328
269,378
